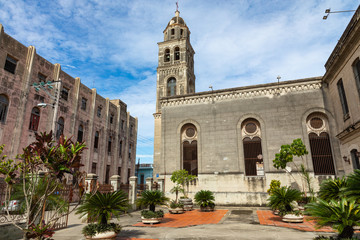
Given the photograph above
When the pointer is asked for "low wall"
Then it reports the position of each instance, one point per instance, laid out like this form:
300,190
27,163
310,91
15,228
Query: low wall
9,232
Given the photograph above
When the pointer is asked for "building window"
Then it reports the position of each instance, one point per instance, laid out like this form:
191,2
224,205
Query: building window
251,135
93,168
171,87
173,31
99,111
107,176
34,119
83,103
320,147
189,149
4,104
356,68
41,77
80,133
96,141
181,32
130,152
167,55
122,124
119,171
131,130
355,159
343,101
111,118
65,93
120,149
109,146
10,64
177,53
60,127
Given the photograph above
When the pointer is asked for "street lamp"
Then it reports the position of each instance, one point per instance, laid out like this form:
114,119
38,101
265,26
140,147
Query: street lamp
328,11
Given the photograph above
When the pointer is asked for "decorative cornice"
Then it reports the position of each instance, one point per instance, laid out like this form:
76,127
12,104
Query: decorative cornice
349,131
265,90
157,115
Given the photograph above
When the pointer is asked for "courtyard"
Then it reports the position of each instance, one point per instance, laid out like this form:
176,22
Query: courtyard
224,223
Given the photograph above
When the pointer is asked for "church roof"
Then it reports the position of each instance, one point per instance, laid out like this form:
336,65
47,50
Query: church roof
177,20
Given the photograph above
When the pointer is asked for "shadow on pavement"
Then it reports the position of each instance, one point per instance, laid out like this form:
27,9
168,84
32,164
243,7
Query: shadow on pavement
129,233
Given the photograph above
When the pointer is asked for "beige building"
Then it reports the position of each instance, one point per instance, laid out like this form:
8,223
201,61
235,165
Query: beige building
228,138
109,131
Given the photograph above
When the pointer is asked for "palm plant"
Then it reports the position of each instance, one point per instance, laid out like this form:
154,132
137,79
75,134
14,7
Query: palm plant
333,189
152,198
176,189
102,206
205,198
353,188
281,199
341,215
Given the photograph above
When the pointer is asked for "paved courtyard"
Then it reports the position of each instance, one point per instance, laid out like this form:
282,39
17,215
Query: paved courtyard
227,223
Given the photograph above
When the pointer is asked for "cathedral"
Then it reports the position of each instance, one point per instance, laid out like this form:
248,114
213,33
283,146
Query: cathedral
228,138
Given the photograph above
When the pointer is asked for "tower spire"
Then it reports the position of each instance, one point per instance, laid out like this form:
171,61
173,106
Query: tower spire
177,9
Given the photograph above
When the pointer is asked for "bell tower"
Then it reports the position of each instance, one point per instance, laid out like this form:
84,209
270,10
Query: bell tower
175,72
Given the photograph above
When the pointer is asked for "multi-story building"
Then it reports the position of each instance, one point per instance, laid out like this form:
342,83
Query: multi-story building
72,109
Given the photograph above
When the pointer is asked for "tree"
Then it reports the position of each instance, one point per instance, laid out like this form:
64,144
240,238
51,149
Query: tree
56,161
286,155
182,178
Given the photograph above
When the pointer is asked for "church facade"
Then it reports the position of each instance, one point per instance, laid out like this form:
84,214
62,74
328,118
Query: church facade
228,138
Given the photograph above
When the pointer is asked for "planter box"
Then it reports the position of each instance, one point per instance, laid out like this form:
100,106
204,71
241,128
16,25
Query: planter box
292,218
176,210
104,235
151,220
187,202
207,209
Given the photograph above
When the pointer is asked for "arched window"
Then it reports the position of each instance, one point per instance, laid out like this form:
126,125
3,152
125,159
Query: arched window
96,140
120,149
356,68
251,135
60,127
355,159
34,119
321,154
177,53
189,141
80,133
167,55
109,145
171,87
4,104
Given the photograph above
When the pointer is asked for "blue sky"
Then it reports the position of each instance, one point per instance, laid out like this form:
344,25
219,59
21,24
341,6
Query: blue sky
112,45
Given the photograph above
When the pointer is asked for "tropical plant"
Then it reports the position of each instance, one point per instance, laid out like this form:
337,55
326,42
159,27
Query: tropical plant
341,215
151,214
57,160
174,204
176,189
282,198
92,229
103,206
273,184
353,188
40,231
205,198
333,189
151,198
182,178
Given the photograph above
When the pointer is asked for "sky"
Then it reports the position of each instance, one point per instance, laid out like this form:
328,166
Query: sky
112,45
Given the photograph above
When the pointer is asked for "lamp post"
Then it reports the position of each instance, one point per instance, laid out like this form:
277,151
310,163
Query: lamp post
46,86
328,11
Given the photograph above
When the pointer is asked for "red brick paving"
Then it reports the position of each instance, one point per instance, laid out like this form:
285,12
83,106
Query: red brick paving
266,217
135,239
189,218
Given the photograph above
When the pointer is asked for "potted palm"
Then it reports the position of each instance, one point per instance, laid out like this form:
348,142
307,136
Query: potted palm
283,199
182,178
150,199
176,207
103,206
205,199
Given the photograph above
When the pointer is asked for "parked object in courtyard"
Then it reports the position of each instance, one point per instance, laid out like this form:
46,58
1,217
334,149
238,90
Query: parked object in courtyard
205,199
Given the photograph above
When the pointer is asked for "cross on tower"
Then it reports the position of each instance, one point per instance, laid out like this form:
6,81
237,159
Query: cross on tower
177,6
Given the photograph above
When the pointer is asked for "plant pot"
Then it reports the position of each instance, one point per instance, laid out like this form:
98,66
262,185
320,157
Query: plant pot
292,218
187,202
151,220
206,209
103,235
276,212
176,210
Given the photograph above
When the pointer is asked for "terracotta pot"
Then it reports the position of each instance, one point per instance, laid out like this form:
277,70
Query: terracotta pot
292,218
103,235
151,220
176,210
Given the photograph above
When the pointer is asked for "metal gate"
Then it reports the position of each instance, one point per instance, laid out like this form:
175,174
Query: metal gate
321,154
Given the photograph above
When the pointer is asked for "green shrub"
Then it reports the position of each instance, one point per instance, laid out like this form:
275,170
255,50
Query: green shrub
205,198
273,184
174,204
282,198
332,189
94,228
151,214
151,199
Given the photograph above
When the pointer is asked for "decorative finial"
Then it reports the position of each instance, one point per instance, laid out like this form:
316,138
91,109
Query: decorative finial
177,6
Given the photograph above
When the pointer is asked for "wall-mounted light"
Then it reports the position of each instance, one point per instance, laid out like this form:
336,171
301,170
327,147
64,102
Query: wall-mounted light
346,159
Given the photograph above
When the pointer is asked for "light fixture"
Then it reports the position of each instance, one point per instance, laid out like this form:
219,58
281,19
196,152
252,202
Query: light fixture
346,159
328,11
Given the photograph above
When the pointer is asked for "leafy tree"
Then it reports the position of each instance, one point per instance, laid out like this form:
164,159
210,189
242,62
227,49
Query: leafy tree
182,178
57,160
151,198
281,199
102,206
333,189
341,215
